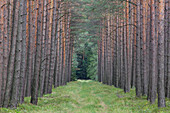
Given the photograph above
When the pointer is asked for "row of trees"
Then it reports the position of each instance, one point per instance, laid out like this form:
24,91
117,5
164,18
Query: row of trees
35,49
134,48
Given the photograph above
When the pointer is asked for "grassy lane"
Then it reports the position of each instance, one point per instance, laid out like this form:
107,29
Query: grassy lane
89,97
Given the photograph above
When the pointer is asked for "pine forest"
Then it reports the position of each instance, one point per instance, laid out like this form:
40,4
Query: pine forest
84,56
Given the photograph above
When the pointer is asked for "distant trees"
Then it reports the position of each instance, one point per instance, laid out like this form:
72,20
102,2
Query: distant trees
30,46
86,58
140,45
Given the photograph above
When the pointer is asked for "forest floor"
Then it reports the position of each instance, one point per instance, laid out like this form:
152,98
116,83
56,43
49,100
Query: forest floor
89,97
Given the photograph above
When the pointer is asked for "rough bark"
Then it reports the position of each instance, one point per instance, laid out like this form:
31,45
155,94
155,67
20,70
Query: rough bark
52,48
1,51
161,87
23,54
10,69
29,53
35,78
17,65
43,60
138,64
153,61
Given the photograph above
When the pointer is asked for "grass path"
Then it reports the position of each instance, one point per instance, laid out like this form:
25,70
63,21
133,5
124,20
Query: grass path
89,97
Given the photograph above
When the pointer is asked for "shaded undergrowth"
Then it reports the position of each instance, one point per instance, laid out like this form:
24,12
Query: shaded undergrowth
89,97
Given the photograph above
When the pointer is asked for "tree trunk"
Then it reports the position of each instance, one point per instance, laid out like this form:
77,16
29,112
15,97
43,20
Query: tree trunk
161,90
29,53
153,61
138,63
10,69
23,54
168,50
35,78
5,49
43,41
52,55
17,66
1,50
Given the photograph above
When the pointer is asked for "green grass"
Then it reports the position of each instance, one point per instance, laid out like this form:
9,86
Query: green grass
89,97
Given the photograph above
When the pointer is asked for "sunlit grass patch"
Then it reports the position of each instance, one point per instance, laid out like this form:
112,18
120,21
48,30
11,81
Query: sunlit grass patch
84,80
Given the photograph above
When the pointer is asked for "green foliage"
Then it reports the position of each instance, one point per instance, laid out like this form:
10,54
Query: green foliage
89,97
74,67
87,61
86,22
92,67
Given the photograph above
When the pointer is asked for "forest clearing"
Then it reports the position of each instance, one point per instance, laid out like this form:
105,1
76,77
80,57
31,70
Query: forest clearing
89,97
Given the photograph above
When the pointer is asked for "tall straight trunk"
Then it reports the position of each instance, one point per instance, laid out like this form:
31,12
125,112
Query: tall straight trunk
153,61
121,55
17,65
105,53
138,63
131,18
112,47
33,44
43,41
61,55
67,44
167,52
128,41
29,53
52,53
1,50
23,54
35,78
46,17
47,44
59,52
10,69
102,60
58,55
55,34
166,46
109,52
141,46
168,74
156,36
130,44
5,49
114,52
145,75
148,47
134,48
70,44
161,87
117,54
56,77
99,53
124,55
63,44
